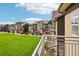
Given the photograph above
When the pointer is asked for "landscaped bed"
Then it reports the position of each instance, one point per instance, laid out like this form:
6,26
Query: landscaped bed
17,45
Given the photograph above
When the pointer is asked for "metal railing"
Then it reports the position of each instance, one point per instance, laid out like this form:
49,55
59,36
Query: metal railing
52,45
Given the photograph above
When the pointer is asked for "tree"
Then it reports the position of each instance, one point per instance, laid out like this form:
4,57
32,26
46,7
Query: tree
6,28
25,28
50,22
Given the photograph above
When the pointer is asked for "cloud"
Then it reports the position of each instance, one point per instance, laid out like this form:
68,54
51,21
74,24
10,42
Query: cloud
41,8
32,20
27,20
20,4
6,22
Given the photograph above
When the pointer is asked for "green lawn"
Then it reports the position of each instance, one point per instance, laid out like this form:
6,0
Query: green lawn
17,45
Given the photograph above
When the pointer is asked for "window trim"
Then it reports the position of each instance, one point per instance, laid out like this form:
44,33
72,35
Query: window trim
75,23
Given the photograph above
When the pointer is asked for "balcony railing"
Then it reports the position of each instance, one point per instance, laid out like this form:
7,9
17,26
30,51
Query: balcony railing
51,45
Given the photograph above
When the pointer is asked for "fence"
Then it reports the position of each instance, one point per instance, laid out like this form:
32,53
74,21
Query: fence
51,45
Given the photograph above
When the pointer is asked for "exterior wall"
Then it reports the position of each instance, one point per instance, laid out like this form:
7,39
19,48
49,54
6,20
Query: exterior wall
70,50
51,29
68,25
64,27
61,26
54,22
2,28
40,27
73,9
34,28
72,47
60,31
56,27
30,28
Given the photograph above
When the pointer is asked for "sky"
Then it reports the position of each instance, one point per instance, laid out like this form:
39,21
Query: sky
26,12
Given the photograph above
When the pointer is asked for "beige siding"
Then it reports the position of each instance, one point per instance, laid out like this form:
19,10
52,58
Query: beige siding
68,27
56,27
70,50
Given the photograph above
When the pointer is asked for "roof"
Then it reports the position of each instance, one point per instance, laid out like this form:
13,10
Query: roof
61,10
56,15
63,7
20,22
36,22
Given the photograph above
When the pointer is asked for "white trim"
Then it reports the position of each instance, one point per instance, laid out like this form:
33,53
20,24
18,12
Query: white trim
37,46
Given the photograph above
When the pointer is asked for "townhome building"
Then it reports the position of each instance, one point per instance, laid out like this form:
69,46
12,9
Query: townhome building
30,28
66,22
40,27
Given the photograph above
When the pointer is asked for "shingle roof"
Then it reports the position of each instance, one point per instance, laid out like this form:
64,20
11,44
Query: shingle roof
56,14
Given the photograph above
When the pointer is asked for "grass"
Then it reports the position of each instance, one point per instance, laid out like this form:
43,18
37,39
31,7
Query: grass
17,45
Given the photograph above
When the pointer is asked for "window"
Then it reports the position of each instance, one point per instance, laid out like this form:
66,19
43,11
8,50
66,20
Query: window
45,27
75,19
35,26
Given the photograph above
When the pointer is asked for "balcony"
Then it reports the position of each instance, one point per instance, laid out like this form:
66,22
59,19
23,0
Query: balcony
52,45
